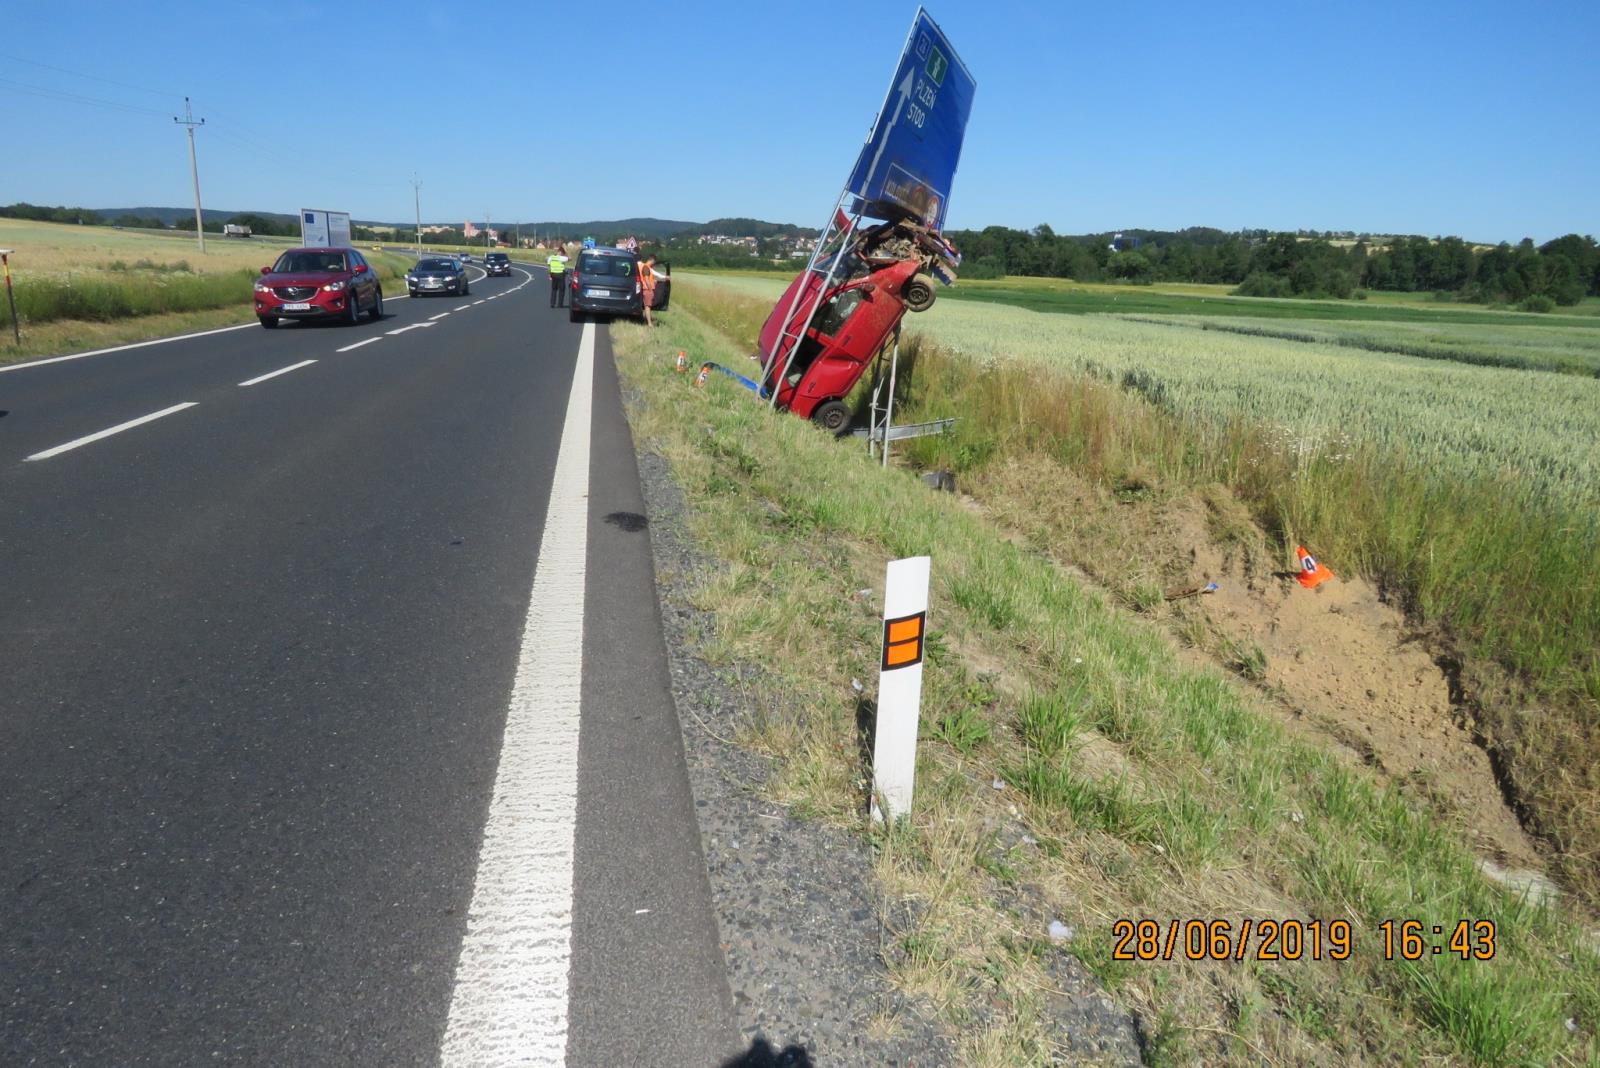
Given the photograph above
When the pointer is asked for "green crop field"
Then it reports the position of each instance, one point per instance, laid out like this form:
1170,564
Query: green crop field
1533,346
1471,422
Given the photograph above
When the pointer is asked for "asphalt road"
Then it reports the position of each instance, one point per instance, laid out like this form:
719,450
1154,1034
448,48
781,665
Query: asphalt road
277,655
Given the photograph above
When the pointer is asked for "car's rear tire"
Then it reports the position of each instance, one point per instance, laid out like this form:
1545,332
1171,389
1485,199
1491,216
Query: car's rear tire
269,322
919,293
375,313
833,417
574,315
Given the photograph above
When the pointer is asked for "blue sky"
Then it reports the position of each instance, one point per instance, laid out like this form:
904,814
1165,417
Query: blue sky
1462,118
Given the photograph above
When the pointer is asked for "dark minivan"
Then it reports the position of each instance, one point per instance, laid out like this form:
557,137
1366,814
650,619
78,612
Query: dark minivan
605,280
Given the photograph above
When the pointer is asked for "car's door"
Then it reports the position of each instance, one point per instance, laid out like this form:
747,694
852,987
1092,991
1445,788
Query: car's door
663,286
365,282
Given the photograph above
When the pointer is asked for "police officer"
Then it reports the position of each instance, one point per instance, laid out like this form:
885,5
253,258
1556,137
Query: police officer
558,278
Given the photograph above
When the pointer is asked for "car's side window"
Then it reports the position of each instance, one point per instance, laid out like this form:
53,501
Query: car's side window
836,312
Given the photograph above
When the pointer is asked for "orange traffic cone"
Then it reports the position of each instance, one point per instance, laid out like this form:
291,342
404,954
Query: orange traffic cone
683,361
705,373
1312,574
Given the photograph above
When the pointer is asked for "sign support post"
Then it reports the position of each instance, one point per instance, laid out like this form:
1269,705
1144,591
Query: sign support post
16,327
905,632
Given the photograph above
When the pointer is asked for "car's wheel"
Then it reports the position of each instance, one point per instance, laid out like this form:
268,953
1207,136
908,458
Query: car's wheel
270,322
466,289
375,313
574,315
918,293
352,308
833,417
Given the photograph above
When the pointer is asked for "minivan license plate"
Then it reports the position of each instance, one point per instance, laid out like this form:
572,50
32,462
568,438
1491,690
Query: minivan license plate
597,292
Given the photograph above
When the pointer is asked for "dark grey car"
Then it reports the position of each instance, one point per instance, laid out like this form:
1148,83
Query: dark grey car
437,275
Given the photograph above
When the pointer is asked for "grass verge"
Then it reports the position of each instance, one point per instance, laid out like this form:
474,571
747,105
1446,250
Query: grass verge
1501,574
1129,785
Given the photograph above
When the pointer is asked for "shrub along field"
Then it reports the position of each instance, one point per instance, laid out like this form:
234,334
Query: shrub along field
1075,765
1471,493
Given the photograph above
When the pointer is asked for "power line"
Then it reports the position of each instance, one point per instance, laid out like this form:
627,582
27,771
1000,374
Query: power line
75,98
92,77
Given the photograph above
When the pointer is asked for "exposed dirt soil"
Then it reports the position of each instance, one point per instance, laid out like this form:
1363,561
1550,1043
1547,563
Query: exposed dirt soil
1337,658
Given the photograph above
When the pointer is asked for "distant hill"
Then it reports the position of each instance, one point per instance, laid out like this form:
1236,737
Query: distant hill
168,216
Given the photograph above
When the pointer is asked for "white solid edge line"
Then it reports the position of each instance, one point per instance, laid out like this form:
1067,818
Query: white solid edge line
358,344
106,433
279,371
123,348
508,1005
436,318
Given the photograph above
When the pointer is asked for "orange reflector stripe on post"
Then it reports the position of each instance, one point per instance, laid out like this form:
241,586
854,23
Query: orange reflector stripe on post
901,653
905,630
902,641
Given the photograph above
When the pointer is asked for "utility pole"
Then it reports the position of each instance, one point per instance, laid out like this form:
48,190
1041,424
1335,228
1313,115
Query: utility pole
488,235
416,197
189,123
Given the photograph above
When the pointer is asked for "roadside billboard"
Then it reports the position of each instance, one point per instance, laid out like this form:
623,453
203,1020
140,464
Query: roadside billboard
910,158
324,229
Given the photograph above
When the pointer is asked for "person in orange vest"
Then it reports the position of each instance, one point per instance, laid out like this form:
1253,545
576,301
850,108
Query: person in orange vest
647,285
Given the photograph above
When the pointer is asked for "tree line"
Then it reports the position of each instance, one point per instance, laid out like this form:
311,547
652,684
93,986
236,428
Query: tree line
1260,263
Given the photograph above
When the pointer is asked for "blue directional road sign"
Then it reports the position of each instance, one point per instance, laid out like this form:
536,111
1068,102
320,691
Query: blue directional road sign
909,160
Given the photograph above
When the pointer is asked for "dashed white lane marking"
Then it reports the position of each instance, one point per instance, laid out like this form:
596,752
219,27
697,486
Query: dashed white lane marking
413,326
478,302
463,307
509,1004
436,318
119,428
279,371
358,344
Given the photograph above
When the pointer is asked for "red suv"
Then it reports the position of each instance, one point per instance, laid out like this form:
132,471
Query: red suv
318,283
884,272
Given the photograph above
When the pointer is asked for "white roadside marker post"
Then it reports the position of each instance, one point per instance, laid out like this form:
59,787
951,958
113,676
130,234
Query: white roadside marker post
905,629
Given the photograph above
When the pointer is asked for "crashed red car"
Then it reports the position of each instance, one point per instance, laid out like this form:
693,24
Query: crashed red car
880,275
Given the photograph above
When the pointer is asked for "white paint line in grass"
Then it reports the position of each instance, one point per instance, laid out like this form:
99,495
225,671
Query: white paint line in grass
106,433
436,318
509,1003
279,371
123,348
358,344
